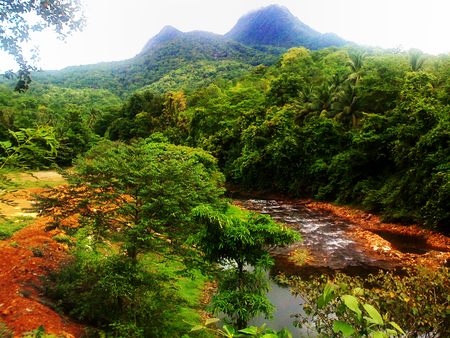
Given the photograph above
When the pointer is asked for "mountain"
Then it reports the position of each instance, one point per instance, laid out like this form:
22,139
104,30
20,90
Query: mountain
166,34
173,60
274,25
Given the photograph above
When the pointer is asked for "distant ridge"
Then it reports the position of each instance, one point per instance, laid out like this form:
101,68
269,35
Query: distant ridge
275,25
166,34
173,60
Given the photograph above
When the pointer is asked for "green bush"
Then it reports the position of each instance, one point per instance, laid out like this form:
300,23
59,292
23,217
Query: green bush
417,301
114,293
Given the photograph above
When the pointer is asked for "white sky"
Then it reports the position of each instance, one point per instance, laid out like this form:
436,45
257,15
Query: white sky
118,29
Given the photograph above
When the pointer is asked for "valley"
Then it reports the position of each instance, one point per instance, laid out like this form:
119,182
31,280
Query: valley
341,150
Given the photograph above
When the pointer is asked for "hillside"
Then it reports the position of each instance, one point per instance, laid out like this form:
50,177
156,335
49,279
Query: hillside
173,60
274,25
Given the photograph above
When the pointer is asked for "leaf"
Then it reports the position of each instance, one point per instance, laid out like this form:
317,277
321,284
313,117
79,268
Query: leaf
328,294
345,328
378,334
250,330
197,327
374,314
352,303
211,321
397,327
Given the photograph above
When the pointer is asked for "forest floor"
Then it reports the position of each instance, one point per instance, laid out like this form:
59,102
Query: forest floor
32,252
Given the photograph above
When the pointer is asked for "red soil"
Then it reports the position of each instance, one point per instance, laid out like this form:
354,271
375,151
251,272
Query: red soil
21,307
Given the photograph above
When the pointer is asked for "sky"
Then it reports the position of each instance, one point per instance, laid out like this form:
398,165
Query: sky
118,30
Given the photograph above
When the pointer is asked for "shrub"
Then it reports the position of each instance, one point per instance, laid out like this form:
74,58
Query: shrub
418,300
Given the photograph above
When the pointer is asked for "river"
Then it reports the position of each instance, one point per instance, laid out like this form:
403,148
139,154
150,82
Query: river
328,240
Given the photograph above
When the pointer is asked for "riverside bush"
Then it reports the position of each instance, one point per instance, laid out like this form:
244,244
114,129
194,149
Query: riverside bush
113,291
417,301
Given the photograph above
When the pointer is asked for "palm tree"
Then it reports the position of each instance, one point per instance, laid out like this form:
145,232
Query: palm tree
416,60
304,104
323,97
356,63
347,105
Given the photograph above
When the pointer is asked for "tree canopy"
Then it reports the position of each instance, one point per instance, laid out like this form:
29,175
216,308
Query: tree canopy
18,19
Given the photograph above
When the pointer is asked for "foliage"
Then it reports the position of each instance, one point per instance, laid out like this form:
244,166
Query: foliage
252,331
237,241
29,148
20,18
139,192
38,333
113,293
416,301
4,331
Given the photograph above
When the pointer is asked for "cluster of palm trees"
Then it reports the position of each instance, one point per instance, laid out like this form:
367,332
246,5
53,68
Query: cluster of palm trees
337,97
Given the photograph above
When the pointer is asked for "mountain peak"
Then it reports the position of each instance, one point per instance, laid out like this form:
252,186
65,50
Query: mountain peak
275,25
166,34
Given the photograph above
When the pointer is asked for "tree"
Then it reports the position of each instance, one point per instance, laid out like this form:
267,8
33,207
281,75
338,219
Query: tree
356,63
19,18
236,241
142,193
347,105
416,60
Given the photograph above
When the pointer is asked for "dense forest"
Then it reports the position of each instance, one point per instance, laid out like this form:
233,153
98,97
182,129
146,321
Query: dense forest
352,125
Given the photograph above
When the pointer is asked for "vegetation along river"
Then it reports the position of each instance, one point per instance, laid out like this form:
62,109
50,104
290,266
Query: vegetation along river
332,247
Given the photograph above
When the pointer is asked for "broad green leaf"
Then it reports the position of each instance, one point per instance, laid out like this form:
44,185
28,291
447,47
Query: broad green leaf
328,294
374,314
249,330
397,327
391,333
380,335
197,327
352,303
211,321
345,328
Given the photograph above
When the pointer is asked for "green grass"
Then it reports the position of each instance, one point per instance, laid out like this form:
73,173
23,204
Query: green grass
9,226
190,288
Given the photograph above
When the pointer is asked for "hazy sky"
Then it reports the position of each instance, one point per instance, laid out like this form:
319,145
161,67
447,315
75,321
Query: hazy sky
118,29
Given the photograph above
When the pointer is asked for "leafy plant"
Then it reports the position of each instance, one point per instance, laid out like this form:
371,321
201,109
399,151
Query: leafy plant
29,148
252,331
4,331
417,301
237,240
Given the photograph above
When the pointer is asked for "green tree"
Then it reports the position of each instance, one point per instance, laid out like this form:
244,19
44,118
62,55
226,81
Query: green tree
347,105
356,63
416,60
237,241
29,148
143,193
19,18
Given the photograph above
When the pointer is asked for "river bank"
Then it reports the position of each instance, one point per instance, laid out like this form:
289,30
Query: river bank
22,309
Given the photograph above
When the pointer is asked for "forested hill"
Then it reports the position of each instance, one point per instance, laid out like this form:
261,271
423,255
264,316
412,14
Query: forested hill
275,26
189,60
173,60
